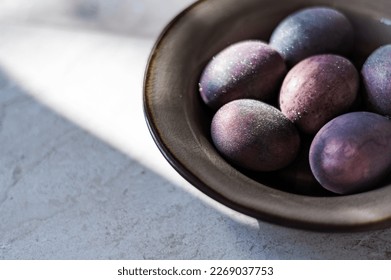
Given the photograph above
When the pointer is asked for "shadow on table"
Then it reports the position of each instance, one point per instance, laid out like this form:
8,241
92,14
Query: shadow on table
65,194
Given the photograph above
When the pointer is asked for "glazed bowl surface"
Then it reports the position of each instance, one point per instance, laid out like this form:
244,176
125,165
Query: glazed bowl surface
179,122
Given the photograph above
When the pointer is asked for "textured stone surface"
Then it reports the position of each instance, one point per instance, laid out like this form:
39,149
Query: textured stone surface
80,177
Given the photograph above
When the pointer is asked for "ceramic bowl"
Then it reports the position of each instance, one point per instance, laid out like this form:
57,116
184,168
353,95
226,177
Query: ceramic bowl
179,122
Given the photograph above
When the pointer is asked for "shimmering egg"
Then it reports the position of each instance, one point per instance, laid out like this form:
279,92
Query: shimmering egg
312,31
254,135
318,89
247,69
376,76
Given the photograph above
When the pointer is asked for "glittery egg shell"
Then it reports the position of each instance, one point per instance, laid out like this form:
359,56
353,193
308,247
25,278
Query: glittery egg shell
318,89
376,76
247,69
254,135
312,31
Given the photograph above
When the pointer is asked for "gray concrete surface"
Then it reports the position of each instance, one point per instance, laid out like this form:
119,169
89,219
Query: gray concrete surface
80,177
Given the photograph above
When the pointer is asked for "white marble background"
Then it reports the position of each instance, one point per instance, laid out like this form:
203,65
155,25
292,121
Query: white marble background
80,177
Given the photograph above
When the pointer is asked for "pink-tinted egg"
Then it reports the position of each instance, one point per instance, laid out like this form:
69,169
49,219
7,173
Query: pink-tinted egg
318,89
254,135
247,69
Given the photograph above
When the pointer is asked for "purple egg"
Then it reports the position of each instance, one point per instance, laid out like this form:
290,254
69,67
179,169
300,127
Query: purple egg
376,76
254,135
318,89
312,31
352,153
247,69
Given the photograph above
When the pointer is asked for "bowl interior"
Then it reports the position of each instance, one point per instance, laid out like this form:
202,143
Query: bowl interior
179,122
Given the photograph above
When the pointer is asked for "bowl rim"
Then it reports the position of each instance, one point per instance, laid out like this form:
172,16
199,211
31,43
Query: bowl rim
194,180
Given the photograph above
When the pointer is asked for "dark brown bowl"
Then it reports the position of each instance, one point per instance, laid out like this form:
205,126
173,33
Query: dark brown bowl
179,122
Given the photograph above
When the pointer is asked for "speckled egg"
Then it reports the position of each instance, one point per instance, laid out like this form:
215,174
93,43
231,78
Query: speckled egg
318,89
352,152
254,135
312,31
376,76
247,69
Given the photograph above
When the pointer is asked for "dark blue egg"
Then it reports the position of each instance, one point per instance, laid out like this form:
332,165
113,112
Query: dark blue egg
376,76
312,31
